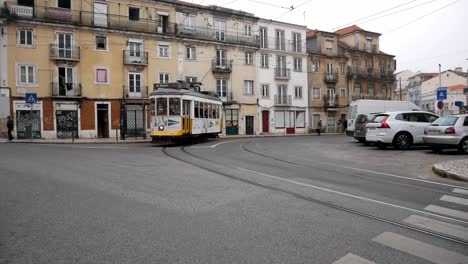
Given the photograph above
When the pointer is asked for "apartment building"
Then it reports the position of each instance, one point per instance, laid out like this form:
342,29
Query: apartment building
217,47
282,78
345,65
90,63
414,86
400,87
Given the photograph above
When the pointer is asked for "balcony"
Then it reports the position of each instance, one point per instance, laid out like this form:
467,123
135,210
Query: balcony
21,11
135,58
227,98
58,14
331,77
71,53
133,93
370,97
60,89
283,100
221,66
330,101
282,74
208,33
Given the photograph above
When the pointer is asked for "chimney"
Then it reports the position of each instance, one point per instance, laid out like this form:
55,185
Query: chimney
458,69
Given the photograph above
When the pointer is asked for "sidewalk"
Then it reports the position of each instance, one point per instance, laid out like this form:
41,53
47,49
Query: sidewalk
457,169
147,140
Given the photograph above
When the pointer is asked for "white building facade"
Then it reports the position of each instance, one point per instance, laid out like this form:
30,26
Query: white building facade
282,78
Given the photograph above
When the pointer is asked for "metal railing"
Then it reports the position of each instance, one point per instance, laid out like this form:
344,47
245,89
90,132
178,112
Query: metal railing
209,33
137,93
282,73
221,66
331,77
135,58
330,101
66,89
64,53
283,100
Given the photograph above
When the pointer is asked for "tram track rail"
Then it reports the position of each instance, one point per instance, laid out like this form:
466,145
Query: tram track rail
306,198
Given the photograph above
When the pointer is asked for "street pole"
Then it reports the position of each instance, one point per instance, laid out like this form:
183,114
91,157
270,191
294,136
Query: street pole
440,84
400,88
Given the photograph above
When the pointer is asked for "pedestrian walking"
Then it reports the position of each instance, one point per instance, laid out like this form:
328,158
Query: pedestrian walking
10,128
319,127
345,125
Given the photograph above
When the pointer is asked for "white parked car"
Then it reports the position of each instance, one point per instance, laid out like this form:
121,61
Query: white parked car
401,129
447,133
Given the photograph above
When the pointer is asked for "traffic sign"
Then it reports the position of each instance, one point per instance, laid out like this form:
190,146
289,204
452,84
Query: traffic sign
440,105
442,93
458,103
31,98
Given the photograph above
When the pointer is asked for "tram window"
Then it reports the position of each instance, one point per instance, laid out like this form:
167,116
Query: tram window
205,110
162,106
197,109
186,107
210,114
217,112
152,106
174,106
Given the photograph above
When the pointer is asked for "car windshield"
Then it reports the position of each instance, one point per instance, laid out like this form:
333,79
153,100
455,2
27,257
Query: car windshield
446,121
378,118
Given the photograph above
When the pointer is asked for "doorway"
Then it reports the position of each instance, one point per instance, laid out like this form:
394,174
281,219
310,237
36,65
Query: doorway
102,120
249,125
266,121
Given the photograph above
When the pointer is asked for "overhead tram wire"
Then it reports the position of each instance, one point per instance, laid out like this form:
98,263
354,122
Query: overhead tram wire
293,8
270,4
421,17
380,12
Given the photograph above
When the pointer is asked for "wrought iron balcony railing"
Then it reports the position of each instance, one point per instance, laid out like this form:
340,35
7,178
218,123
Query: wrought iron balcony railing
331,77
282,73
283,100
135,57
59,52
62,89
135,92
221,66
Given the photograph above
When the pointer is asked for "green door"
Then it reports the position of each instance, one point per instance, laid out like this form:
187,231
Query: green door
232,122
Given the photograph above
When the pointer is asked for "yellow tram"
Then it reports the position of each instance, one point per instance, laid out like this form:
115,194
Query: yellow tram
179,112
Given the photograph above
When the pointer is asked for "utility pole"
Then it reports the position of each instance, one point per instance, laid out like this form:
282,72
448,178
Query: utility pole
440,83
400,88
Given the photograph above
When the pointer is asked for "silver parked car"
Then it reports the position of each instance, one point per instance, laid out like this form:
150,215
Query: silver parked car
447,133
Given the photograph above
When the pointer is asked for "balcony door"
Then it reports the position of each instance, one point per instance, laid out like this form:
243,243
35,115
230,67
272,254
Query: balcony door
100,14
331,96
65,81
135,50
134,84
329,68
281,66
220,30
64,45
221,58
282,94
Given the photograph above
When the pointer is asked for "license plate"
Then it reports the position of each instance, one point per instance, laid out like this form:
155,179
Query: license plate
433,132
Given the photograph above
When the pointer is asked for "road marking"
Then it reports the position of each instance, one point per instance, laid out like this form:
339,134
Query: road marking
447,211
420,249
438,226
460,191
350,195
454,199
377,172
352,259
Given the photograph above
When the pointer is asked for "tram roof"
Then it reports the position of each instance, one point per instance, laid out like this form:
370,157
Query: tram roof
180,92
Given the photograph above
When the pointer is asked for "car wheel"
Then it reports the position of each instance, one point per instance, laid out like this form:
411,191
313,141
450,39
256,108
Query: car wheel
403,141
463,147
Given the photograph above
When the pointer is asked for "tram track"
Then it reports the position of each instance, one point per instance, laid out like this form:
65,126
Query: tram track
306,198
243,147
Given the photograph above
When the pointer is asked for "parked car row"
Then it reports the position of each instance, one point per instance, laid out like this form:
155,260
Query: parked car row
403,129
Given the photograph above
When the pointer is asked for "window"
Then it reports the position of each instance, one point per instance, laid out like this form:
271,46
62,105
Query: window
357,90
298,92
316,119
297,42
189,22
248,30
263,38
329,47
298,64
221,87
191,79
342,92
191,53
431,118
64,4
370,90
163,77
221,58
101,76
101,43
25,38
265,90
26,74
161,106
279,119
300,119
280,40
342,69
174,106
264,60
369,44
163,50
248,58
355,65
315,65
134,84
248,87
316,93
220,29
133,13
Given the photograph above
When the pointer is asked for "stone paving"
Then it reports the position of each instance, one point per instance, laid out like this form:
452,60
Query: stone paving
457,169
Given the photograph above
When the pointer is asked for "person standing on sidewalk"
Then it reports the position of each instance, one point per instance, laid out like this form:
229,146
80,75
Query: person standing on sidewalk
10,128
319,127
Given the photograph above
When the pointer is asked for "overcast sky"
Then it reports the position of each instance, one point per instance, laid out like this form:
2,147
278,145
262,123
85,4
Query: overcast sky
420,37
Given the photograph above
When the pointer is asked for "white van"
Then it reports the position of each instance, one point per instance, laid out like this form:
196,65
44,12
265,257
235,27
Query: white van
375,106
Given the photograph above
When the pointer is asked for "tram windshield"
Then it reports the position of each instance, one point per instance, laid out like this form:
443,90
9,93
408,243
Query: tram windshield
174,106
161,106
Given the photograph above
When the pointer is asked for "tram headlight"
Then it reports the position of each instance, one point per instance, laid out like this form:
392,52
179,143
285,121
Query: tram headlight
161,127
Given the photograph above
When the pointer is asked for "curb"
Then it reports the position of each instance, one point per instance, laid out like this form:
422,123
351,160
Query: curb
437,169
77,142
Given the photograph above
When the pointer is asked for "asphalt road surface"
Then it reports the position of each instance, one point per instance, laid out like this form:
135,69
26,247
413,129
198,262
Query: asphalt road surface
273,200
